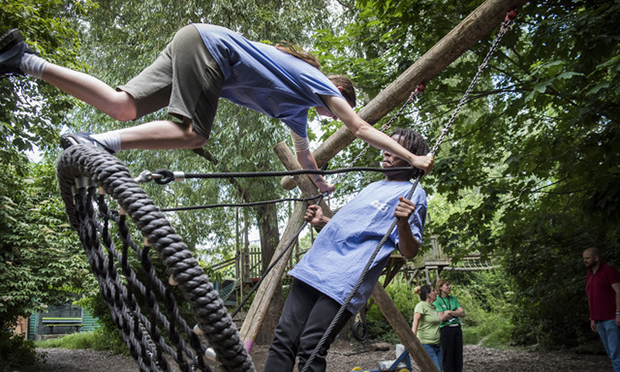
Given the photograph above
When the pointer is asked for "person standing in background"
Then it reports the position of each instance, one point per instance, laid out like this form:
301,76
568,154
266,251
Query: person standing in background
449,311
603,289
426,323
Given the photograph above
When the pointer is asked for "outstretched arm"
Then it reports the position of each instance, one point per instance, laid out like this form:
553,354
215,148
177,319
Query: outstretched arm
376,138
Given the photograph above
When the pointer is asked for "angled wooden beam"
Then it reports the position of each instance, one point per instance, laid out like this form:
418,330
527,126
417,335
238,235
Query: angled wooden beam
402,329
477,25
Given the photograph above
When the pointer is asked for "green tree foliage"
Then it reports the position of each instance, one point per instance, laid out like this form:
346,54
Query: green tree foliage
40,259
534,152
16,353
31,110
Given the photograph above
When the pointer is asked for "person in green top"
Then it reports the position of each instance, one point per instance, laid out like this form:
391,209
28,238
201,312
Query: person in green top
449,310
426,323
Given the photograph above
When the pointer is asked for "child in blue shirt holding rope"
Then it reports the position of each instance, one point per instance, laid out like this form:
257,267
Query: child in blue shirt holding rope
327,273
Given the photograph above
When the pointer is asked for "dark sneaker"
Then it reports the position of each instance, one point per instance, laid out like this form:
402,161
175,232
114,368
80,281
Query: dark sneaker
10,38
12,48
68,140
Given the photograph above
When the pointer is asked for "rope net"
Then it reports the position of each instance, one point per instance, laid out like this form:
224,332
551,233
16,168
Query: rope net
93,183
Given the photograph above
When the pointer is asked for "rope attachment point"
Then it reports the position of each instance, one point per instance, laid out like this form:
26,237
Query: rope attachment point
161,176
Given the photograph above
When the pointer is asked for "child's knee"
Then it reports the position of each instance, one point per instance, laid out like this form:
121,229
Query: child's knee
194,139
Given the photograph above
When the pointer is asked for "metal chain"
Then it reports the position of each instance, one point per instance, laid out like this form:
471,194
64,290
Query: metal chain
502,31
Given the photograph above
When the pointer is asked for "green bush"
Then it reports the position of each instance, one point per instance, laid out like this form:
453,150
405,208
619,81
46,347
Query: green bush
17,353
405,300
484,297
106,336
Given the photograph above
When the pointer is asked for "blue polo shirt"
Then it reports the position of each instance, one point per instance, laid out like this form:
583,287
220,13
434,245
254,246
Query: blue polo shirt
262,78
344,246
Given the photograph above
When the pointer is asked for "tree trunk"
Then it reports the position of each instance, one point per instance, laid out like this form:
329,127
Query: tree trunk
267,219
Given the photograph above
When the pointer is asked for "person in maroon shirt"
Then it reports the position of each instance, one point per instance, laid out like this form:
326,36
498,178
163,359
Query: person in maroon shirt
603,289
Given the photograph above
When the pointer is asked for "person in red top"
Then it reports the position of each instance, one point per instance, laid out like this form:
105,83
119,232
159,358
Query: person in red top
603,289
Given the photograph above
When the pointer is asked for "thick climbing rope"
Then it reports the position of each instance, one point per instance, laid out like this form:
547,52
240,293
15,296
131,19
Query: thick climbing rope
503,29
136,308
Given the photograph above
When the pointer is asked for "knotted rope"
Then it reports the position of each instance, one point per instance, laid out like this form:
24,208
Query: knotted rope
80,168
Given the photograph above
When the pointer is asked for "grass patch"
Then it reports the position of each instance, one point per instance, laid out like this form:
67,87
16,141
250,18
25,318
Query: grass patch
487,329
94,340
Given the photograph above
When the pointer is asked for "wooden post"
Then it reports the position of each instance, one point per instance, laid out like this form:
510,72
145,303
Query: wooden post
264,294
478,24
307,187
403,329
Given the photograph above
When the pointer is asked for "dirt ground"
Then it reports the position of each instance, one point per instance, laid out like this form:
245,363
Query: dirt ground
344,356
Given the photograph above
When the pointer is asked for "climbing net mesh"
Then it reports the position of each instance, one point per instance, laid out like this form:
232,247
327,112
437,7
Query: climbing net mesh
93,183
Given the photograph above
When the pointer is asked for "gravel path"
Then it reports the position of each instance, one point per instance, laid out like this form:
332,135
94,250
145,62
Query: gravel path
344,356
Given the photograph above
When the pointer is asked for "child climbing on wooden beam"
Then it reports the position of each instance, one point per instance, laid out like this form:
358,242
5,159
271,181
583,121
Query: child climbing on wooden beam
202,63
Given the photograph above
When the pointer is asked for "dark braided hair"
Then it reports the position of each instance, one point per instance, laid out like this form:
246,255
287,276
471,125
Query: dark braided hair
414,142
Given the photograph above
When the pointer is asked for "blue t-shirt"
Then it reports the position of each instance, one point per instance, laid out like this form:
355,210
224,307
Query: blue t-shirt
343,247
262,78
